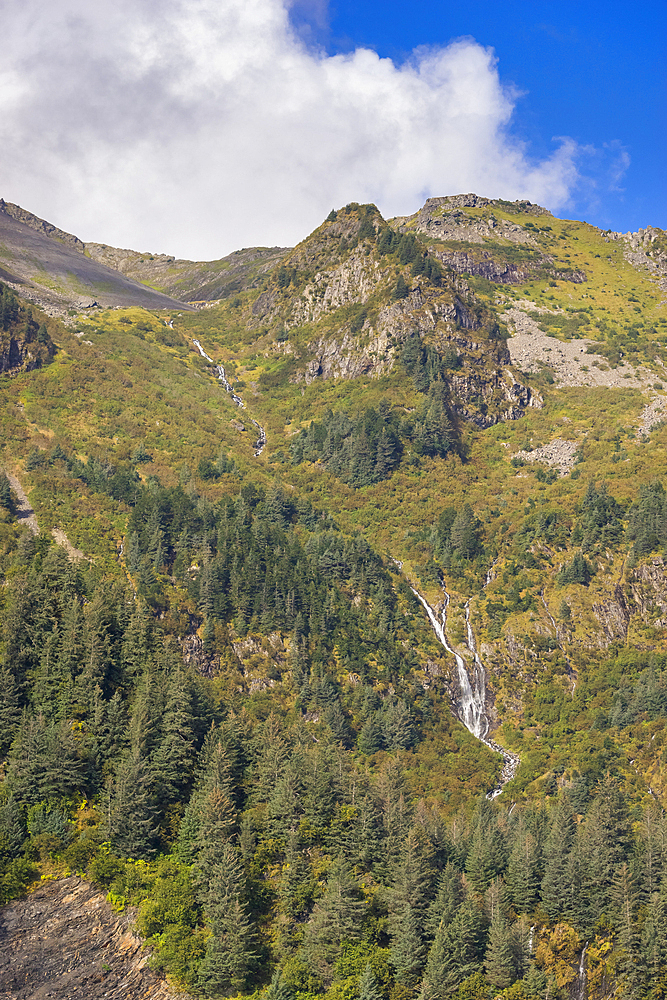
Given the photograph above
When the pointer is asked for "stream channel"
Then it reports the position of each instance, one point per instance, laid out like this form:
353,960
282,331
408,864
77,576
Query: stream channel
471,705
222,377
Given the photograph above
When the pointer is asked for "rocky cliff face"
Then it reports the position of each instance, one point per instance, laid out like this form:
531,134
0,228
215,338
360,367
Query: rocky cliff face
646,250
64,940
18,352
338,293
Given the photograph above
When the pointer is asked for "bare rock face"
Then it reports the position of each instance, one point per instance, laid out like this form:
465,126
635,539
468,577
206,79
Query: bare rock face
648,587
614,617
22,353
65,941
194,655
645,250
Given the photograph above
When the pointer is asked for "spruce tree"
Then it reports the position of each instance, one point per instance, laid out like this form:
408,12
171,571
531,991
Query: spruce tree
369,740
400,288
499,958
557,848
335,918
174,756
368,985
231,949
448,898
457,951
297,884
131,807
408,952
10,712
523,873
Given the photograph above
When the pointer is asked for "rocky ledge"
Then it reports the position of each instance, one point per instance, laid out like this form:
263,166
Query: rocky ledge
65,940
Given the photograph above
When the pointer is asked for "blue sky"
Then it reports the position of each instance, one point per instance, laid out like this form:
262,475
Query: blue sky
596,72
196,127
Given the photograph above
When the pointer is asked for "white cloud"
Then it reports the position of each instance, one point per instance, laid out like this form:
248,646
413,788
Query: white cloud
199,126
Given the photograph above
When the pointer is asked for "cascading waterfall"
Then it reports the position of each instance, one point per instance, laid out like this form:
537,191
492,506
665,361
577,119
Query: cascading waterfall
472,699
480,675
581,981
471,702
222,377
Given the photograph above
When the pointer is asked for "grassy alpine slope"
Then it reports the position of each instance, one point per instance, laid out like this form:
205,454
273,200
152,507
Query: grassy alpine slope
250,714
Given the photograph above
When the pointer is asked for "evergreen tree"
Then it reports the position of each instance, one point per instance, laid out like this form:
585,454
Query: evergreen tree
210,818
397,730
369,740
625,897
335,918
387,454
407,948
368,985
230,951
10,712
557,848
653,945
465,533
523,873
131,807
448,898
605,844
456,953
499,958
44,762
400,288
173,759
297,884
12,829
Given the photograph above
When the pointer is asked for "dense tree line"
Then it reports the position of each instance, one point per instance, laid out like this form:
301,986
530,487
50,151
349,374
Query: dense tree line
360,451
365,450
279,845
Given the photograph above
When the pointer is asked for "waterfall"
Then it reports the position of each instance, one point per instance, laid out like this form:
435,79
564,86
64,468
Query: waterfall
220,372
472,700
471,703
261,439
222,377
480,675
581,981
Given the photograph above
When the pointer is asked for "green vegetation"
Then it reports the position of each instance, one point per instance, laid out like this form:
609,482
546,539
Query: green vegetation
233,713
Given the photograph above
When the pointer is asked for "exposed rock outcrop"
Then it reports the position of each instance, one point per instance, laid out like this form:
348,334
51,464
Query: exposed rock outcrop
194,655
646,250
648,586
21,352
558,453
65,941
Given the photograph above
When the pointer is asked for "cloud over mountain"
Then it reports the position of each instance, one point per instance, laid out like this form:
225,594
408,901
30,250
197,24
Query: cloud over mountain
197,126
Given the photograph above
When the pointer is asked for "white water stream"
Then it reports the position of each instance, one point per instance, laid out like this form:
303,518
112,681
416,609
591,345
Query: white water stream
581,981
222,377
471,707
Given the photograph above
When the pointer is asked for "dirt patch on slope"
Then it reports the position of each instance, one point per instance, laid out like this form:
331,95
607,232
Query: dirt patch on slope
25,515
65,941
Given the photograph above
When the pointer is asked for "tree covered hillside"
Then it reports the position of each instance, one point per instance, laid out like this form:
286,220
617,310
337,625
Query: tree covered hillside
258,593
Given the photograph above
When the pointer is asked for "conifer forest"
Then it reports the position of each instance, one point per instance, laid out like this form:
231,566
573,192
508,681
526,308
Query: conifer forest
333,630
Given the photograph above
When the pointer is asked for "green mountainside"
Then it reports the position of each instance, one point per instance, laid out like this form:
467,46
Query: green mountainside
261,557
